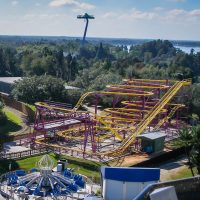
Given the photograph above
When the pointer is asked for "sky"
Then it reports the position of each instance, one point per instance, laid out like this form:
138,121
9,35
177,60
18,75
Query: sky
149,19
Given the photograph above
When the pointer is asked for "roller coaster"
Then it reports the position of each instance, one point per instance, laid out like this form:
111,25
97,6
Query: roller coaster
138,105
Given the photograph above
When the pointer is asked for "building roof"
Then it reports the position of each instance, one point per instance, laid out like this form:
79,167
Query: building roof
152,136
61,123
67,87
131,174
9,80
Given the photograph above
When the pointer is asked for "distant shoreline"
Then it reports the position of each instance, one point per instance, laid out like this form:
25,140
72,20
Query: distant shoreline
94,38
184,45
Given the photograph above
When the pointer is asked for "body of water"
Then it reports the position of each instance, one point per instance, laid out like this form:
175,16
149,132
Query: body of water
184,45
188,49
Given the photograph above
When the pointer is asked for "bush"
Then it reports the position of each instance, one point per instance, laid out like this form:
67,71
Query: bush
3,118
39,88
91,165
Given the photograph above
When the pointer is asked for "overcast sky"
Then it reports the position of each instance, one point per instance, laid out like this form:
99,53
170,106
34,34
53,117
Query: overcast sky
164,19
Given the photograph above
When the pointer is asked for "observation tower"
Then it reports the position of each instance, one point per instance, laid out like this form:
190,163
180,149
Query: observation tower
86,17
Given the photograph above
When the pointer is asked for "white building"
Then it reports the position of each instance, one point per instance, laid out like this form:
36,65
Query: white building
125,183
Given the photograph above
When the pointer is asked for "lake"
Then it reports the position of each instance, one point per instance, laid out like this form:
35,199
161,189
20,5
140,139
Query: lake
188,49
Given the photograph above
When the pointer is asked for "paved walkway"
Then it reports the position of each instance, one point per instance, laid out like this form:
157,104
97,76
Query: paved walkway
13,147
10,147
25,128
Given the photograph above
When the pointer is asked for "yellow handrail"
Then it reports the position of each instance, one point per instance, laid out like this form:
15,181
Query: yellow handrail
170,115
149,117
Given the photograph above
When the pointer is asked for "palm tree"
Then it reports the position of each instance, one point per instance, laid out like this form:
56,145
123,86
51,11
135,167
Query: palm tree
190,139
195,152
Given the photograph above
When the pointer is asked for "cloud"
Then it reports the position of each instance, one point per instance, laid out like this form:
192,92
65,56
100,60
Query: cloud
158,8
183,16
37,4
14,3
132,14
43,16
77,4
174,16
58,3
195,12
176,12
137,14
177,1
109,15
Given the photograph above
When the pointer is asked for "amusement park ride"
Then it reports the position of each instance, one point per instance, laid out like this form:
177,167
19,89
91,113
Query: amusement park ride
86,17
43,181
138,106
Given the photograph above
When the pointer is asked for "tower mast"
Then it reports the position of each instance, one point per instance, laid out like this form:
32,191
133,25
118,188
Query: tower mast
86,17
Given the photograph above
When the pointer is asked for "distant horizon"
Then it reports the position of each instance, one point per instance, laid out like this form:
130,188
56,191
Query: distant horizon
97,37
154,19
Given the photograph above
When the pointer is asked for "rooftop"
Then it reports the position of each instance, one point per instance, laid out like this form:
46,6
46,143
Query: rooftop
152,135
9,80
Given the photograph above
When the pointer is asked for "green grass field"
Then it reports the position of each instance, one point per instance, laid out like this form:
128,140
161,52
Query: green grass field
13,124
88,168
184,172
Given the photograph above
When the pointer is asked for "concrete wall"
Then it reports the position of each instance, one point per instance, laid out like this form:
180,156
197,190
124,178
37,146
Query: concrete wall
20,106
188,188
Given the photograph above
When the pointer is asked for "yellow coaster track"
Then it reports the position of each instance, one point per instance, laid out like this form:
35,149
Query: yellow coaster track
170,115
148,118
153,111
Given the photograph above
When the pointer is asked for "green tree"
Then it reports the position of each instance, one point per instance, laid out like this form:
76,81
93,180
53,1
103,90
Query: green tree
190,139
39,88
3,118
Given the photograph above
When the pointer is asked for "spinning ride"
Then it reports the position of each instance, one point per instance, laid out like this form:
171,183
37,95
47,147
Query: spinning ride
44,181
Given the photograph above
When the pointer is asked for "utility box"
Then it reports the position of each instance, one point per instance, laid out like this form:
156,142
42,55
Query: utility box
152,142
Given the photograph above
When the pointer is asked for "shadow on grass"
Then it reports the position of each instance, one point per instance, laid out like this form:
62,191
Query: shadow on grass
4,165
9,127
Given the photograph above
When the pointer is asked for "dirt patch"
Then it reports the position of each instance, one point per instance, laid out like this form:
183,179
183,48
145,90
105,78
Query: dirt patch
130,160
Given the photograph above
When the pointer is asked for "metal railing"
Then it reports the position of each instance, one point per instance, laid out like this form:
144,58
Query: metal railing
24,154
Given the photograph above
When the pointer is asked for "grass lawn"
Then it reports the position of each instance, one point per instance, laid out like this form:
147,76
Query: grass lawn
13,124
87,168
183,172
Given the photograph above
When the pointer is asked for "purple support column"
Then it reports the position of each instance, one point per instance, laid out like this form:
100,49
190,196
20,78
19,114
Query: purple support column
87,131
94,145
159,96
96,103
143,104
166,122
177,118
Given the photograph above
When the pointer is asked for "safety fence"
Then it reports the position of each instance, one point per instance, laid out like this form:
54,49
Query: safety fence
24,154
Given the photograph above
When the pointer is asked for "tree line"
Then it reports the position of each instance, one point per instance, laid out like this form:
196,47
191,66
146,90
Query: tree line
96,65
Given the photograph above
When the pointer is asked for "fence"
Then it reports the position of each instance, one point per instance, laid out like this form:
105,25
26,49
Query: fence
24,154
9,138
